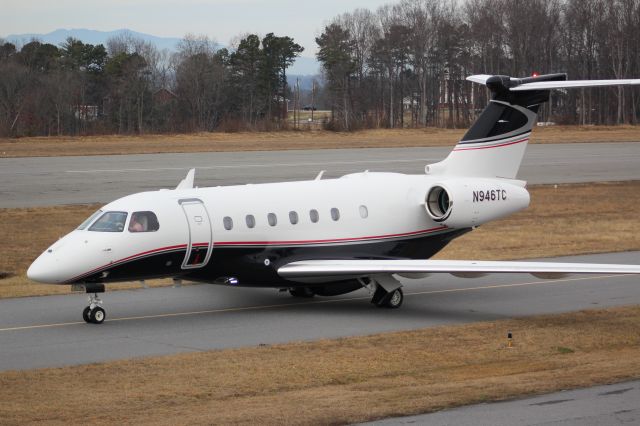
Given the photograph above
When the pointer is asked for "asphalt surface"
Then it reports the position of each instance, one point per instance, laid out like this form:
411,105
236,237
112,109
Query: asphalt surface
26,182
49,331
600,405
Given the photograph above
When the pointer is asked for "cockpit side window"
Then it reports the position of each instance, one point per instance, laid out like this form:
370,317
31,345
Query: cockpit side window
143,222
110,222
89,220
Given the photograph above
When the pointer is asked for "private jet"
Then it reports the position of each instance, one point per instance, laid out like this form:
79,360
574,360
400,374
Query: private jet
323,237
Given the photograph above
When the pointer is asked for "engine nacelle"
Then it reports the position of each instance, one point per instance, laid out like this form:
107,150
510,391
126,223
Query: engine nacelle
468,202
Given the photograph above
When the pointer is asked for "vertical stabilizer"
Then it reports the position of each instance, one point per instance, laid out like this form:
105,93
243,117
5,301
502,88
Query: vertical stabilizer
496,142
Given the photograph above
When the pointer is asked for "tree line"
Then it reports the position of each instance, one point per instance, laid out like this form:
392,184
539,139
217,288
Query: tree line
405,64
401,65
129,86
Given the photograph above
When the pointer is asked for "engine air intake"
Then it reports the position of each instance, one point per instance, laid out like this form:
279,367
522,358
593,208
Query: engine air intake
438,203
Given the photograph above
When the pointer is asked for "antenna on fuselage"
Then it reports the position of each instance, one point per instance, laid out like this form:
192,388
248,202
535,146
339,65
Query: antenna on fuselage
187,182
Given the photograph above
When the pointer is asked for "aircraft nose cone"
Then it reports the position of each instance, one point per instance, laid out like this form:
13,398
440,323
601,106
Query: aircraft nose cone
37,272
45,269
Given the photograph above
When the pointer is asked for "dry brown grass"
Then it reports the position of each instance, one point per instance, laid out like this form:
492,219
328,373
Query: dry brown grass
246,141
569,219
337,381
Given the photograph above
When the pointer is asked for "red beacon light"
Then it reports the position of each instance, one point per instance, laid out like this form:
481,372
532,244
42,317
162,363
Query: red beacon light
535,74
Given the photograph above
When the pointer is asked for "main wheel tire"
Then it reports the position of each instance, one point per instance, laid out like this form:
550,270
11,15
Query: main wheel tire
86,314
97,315
396,297
301,292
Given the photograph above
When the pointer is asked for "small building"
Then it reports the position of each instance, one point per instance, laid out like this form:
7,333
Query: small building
86,112
163,96
410,103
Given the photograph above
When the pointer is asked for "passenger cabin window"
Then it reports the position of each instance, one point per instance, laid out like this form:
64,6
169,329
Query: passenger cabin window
293,217
335,214
314,216
251,221
88,221
228,223
364,212
143,222
272,219
110,222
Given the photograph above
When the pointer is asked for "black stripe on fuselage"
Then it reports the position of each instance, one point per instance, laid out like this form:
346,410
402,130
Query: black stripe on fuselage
247,263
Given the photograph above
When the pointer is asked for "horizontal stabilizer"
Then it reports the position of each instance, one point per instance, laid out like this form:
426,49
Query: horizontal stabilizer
544,82
479,78
358,267
544,85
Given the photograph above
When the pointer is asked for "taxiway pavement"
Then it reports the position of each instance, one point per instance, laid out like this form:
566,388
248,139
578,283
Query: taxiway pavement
42,181
49,331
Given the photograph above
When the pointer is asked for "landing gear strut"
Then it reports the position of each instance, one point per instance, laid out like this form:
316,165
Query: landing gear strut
94,313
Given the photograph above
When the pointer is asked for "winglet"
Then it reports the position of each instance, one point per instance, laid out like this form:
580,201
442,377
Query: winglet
187,182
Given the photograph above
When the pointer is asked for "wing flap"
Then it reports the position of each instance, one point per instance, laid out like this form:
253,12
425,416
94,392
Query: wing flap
358,268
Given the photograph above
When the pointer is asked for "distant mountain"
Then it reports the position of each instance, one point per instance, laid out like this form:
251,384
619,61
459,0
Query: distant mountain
92,37
302,66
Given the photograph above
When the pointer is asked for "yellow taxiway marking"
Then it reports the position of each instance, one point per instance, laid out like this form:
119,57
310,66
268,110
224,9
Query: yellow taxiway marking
315,302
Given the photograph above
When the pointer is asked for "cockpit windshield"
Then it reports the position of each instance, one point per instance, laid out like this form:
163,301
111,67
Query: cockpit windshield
143,222
110,222
89,220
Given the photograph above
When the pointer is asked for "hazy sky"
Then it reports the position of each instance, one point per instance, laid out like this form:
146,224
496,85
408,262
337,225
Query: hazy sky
219,19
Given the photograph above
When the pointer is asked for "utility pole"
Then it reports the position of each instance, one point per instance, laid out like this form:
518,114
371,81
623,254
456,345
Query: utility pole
313,92
297,105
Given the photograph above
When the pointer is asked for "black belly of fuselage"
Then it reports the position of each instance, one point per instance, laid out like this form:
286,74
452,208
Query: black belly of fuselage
257,266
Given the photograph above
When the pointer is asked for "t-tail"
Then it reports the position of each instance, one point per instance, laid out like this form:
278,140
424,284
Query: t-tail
494,145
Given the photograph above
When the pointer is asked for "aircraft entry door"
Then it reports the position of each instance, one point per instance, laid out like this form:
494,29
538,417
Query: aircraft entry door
200,234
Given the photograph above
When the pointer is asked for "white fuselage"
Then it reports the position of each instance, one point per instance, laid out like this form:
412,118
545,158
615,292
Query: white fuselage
252,222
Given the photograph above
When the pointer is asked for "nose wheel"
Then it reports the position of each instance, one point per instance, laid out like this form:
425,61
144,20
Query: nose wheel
94,313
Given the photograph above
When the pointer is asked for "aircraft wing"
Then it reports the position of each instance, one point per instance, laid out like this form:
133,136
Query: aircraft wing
364,267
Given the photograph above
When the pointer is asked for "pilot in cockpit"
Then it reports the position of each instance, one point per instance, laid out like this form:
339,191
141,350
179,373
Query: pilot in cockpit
139,223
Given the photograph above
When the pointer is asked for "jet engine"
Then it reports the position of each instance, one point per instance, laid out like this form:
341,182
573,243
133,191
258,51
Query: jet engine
465,203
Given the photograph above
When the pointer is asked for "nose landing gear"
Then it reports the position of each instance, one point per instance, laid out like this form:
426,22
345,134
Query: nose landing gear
94,313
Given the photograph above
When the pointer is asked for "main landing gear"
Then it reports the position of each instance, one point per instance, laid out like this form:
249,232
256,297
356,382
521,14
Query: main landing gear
392,299
386,290
94,313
